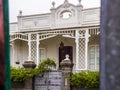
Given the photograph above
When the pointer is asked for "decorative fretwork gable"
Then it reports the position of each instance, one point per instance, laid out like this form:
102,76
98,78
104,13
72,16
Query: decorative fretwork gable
19,36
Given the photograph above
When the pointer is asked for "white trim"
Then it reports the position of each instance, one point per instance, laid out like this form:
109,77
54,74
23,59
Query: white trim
86,48
29,46
77,47
19,36
13,52
37,40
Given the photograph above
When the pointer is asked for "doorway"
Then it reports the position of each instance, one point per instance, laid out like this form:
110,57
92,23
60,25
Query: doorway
63,50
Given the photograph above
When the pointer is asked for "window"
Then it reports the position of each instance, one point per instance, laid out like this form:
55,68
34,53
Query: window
66,14
93,57
42,53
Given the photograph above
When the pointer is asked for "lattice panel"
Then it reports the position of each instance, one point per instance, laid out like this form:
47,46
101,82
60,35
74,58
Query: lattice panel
81,53
33,36
81,49
82,33
34,51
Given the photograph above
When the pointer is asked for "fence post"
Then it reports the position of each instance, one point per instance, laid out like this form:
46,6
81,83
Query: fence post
110,45
66,66
29,83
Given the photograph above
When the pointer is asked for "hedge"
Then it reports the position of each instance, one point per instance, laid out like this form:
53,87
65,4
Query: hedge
85,79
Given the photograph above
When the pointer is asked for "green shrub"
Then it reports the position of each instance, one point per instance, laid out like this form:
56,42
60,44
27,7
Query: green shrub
17,74
85,79
21,74
46,65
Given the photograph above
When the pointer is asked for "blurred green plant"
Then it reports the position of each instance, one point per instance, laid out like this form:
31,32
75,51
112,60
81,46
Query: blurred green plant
85,79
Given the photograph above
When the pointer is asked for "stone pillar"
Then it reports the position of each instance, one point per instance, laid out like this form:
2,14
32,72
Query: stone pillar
66,66
29,83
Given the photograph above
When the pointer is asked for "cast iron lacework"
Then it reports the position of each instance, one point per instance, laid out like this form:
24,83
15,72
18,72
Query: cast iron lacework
49,34
33,36
81,50
33,47
82,53
20,36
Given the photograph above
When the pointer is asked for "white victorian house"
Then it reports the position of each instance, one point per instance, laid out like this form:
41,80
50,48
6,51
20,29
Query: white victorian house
67,29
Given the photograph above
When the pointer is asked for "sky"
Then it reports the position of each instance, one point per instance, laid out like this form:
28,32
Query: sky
30,7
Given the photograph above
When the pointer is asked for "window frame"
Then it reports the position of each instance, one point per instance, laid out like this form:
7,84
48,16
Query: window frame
40,53
96,57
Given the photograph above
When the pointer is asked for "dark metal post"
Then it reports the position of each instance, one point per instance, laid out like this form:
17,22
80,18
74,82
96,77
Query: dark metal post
110,45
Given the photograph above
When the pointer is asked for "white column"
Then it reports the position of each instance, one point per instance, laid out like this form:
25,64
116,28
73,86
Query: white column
37,40
29,46
13,53
86,48
77,48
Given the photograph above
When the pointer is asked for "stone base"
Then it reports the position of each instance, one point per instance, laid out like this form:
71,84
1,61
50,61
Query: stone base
29,65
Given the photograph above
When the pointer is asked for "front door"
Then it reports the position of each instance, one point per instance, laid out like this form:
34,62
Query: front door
63,51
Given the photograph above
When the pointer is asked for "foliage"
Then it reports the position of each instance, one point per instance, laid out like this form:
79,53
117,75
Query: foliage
46,65
17,74
21,74
85,79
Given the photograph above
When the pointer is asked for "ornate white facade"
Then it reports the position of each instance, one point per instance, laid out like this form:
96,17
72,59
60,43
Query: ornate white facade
35,37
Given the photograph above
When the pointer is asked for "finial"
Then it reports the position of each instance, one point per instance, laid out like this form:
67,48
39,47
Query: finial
66,1
61,44
79,1
66,57
20,13
53,4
